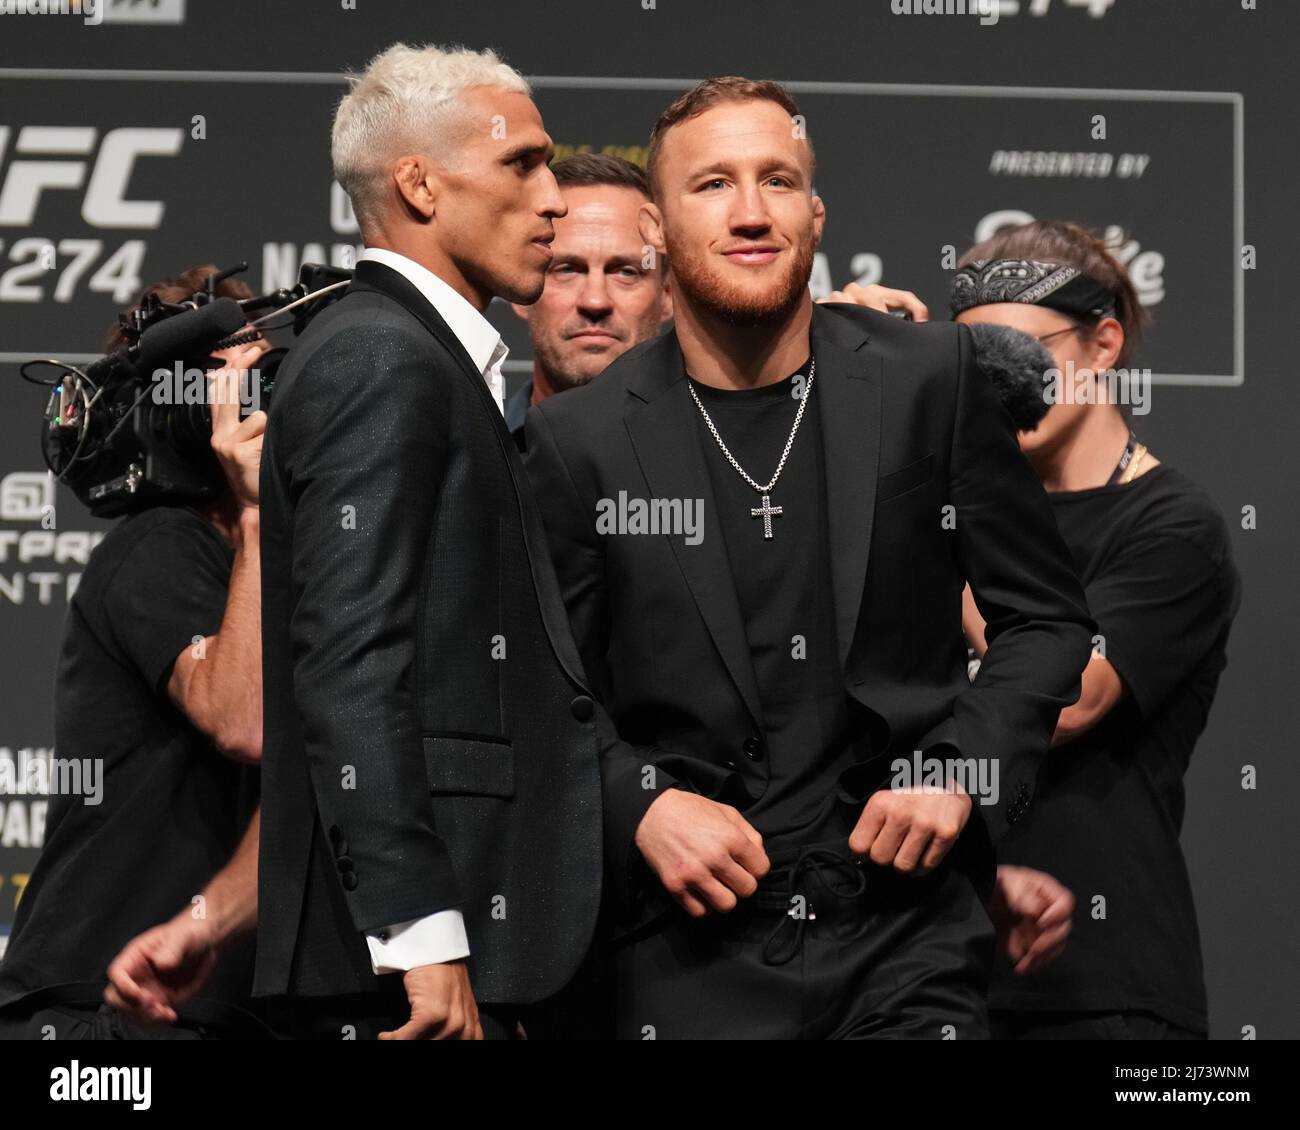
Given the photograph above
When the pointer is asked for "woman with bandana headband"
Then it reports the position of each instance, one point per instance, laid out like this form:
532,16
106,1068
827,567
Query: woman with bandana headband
1152,551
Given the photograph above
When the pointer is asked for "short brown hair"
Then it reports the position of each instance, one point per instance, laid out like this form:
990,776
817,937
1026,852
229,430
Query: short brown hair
706,95
178,289
1072,245
587,169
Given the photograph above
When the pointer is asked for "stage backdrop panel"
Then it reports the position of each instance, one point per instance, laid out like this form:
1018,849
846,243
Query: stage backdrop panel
210,143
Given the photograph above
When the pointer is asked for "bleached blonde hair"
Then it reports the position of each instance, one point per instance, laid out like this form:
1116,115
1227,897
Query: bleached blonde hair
408,100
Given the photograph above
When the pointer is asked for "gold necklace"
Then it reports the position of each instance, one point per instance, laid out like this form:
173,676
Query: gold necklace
1138,455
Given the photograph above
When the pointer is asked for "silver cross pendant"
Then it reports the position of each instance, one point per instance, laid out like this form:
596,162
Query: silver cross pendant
767,512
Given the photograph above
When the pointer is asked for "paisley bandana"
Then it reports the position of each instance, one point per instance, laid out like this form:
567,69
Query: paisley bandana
1057,287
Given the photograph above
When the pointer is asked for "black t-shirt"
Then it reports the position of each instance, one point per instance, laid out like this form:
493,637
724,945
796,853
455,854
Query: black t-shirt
783,585
171,810
1155,562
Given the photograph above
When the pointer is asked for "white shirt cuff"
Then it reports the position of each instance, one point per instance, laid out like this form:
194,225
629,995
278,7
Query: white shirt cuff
431,940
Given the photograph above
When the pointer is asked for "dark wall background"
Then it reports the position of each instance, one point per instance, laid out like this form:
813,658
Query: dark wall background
906,112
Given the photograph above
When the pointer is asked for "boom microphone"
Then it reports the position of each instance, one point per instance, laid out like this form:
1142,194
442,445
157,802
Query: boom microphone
187,334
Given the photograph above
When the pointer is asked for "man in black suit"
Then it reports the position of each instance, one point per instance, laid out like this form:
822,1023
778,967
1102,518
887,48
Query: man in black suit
762,522
431,822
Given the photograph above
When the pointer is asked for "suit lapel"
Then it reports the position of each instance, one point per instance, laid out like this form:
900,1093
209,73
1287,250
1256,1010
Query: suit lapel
663,432
848,383
384,280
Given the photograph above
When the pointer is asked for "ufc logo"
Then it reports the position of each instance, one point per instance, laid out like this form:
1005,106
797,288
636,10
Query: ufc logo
104,204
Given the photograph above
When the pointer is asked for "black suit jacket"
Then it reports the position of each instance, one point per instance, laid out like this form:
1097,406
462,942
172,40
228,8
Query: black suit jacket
429,742
910,426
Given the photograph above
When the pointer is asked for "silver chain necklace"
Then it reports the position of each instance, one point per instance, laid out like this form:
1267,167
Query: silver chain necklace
767,511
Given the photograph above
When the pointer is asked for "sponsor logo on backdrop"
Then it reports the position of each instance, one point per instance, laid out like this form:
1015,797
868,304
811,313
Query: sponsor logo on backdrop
1145,267
41,565
1053,163
44,160
101,167
26,496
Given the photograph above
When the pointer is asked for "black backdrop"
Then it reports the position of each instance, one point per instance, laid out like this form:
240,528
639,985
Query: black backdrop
175,133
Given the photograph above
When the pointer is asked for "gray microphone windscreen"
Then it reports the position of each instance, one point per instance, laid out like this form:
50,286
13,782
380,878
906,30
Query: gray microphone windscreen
1015,364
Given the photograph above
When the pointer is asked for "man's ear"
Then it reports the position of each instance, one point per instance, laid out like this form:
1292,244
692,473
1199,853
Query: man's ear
521,311
819,219
650,224
416,181
666,301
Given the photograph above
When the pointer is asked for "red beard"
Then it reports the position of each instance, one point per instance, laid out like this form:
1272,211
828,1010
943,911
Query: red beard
703,285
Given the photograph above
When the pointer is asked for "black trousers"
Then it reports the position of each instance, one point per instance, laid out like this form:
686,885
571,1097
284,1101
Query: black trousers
363,1016
93,1022
1087,1026
827,949
77,1012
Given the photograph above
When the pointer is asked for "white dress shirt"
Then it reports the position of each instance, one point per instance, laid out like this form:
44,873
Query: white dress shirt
438,937
472,330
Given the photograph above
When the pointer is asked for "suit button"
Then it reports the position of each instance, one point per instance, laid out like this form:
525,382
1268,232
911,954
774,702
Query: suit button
336,834
382,935
349,880
344,863
583,708
753,748
341,847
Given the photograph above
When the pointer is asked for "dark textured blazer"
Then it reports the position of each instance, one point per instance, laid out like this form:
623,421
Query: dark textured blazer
909,426
429,741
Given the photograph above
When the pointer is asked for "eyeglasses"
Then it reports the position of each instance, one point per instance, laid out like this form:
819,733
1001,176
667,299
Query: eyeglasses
1057,333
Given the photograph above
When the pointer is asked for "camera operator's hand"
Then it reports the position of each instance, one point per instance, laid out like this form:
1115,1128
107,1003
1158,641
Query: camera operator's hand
238,443
162,968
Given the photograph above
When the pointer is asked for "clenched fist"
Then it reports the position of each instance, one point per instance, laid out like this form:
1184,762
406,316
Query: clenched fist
910,829
706,854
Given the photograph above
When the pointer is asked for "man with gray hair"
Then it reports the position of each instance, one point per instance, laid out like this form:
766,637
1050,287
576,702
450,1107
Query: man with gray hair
431,823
